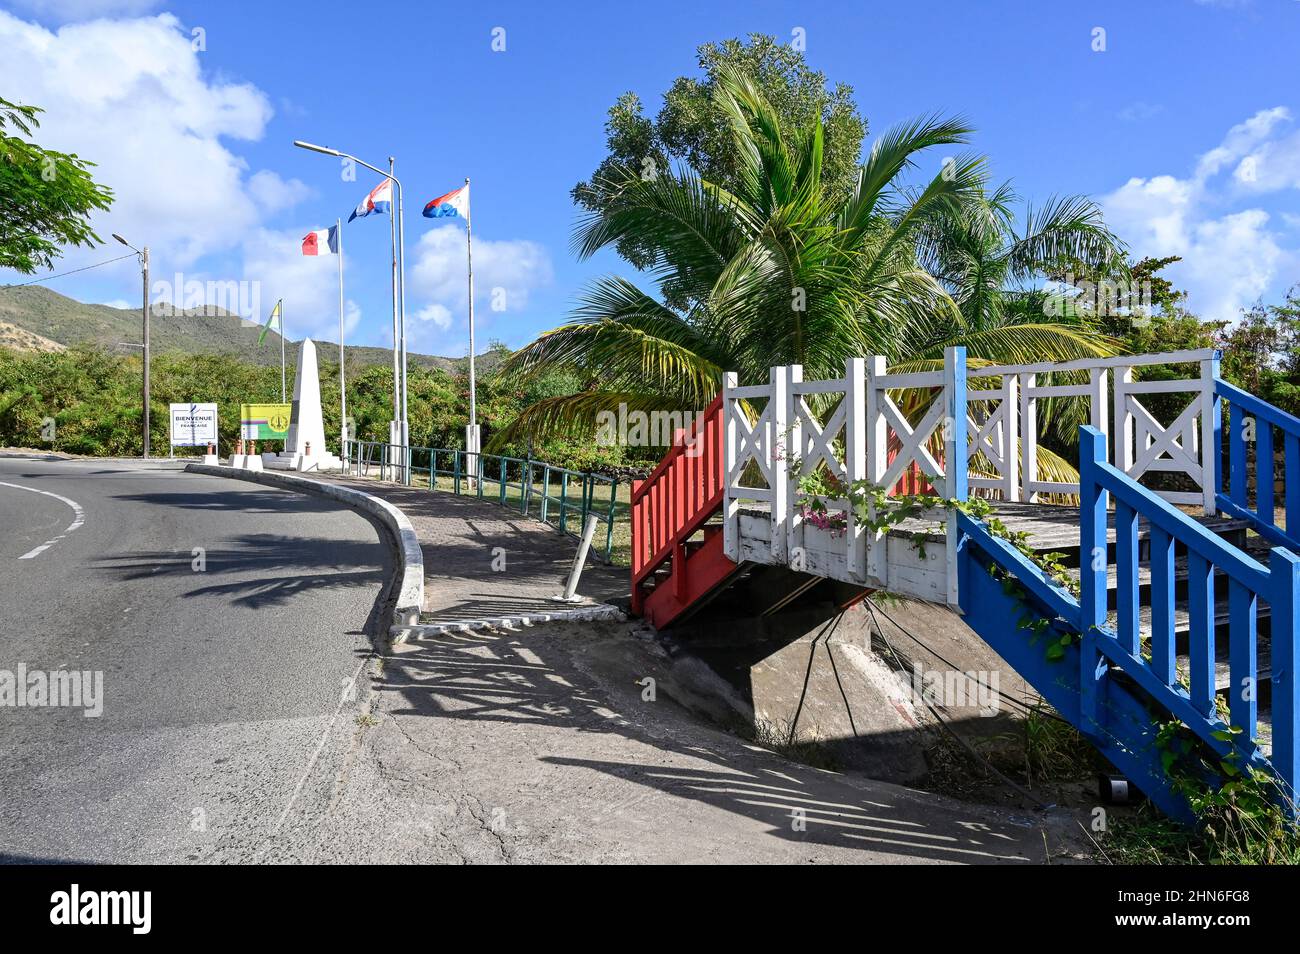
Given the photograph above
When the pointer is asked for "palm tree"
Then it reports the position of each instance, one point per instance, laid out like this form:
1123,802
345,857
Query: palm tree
993,270
773,272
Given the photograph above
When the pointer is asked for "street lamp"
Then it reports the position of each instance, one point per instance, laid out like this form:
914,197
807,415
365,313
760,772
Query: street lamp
143,255
398,226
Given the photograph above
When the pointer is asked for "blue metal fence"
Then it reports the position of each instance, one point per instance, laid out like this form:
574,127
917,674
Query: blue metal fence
561,497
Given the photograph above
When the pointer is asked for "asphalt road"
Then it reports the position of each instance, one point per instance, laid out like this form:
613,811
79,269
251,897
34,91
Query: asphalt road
230,622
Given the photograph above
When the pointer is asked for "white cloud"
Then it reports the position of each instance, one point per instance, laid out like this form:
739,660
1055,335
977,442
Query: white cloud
440,315
506,272
275,194
1140,111
1230,255
121,303
131,96
1241,139
308,283
65,10
516,266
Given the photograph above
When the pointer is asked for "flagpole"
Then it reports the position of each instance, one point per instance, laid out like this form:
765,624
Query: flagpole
401,299
469,265
397,380
343,389
283,391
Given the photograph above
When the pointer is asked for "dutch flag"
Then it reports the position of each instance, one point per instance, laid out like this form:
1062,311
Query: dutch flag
379,199
320,241
454,204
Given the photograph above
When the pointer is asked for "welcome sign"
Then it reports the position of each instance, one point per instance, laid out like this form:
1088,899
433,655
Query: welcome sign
264,422
193,425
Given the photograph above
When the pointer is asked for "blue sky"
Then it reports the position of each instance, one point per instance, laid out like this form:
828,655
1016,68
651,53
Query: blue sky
1185,126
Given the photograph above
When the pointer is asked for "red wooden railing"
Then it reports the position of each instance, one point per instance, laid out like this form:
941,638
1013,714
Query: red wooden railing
914,480
676,500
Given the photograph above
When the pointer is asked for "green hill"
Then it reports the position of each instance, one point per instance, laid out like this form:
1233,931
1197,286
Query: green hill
65,321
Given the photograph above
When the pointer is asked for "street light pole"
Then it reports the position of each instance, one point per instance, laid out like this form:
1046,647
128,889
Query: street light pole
399,265
143,255
144,271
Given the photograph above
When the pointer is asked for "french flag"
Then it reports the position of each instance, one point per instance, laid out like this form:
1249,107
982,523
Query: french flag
321,241
379,199
454,204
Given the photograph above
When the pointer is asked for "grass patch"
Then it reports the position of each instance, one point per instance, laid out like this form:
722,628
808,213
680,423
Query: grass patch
1227,835
781,739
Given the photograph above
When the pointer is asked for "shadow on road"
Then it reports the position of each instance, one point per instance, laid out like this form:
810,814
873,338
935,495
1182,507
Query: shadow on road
240,500
273,569
526,679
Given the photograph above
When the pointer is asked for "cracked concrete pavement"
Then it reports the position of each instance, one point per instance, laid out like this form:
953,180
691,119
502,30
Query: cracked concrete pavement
543,746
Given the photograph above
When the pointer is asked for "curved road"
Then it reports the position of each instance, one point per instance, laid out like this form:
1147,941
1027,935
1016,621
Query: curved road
230,622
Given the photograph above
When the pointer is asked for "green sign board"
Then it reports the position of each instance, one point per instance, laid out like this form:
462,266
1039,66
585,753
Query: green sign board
264,422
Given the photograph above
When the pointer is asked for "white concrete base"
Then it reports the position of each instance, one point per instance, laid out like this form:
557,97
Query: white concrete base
593,613
238,461
252,463
210,459
319,462
301,462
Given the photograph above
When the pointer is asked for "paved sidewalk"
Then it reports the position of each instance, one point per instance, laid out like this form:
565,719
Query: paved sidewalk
586,742
484,561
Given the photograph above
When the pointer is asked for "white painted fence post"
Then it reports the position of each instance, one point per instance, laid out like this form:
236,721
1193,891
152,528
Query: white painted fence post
1123,442
1029,438
855,458
954,449
877,447
730,506
1011,441
774,446
1211,427
794,454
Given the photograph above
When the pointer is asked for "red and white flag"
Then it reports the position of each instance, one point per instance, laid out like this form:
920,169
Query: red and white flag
321,242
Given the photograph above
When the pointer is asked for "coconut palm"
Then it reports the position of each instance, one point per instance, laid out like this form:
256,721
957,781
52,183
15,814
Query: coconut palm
994,270
773,272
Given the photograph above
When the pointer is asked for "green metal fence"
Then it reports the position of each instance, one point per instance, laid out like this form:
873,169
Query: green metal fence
555,495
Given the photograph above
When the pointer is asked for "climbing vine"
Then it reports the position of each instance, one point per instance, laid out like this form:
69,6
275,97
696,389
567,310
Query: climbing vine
876,510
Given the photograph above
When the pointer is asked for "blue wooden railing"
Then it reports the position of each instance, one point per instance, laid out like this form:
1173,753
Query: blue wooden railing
1105,650
1251,421
1106,681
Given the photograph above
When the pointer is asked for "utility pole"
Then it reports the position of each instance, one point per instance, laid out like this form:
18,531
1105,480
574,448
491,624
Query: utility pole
144,270
143,255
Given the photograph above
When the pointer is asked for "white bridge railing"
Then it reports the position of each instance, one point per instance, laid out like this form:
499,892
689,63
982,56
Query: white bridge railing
860,427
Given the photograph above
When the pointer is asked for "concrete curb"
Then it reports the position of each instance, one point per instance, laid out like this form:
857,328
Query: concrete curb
410,594
579,614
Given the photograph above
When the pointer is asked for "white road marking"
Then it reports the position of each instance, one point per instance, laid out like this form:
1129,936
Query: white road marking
78,515
345,697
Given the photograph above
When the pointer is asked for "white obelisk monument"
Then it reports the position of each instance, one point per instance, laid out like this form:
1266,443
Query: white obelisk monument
304,448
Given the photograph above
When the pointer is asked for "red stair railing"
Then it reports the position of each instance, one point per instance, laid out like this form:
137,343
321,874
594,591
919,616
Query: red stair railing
676,500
